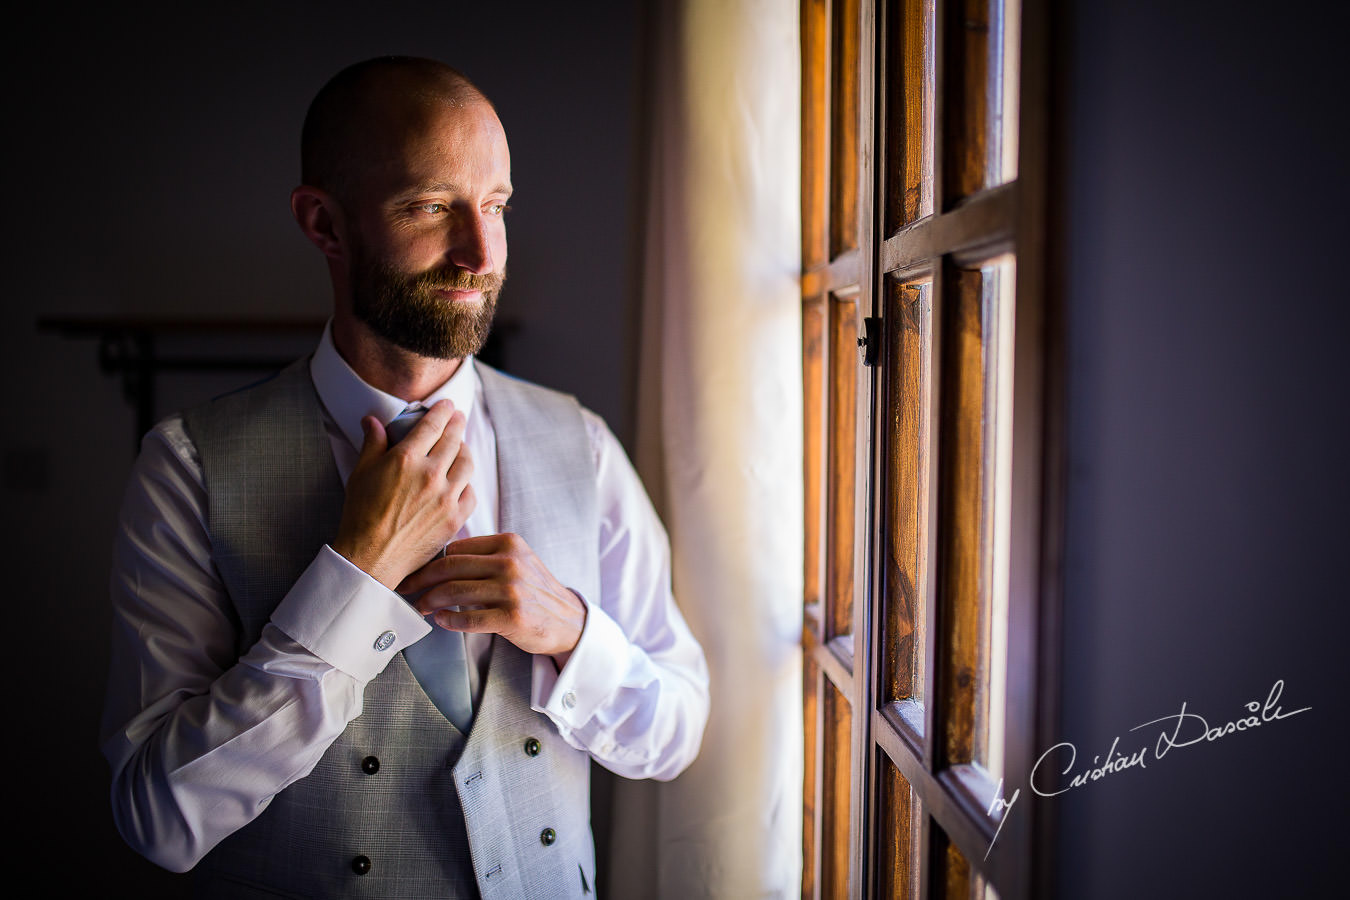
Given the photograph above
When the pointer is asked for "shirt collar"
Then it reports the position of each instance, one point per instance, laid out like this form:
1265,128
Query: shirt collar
349,399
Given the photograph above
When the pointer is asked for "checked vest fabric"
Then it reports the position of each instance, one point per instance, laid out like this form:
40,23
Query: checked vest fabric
403,804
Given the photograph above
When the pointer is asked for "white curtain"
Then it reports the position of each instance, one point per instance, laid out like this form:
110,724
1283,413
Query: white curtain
720,445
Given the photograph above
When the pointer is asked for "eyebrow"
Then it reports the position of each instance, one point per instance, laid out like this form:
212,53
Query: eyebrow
447,187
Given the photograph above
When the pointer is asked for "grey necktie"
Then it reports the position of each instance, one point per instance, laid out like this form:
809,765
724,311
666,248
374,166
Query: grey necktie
439,660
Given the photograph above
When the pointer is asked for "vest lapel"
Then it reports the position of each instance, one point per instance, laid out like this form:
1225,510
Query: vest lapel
545,476
275,493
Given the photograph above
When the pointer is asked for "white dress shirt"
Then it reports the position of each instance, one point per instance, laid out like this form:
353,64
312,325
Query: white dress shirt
200,739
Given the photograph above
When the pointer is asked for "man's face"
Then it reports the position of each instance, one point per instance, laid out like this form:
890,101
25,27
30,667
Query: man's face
428,238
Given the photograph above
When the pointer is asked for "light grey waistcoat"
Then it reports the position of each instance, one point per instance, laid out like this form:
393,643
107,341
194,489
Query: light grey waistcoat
503,814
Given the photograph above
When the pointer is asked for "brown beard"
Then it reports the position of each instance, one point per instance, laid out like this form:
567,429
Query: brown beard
406,311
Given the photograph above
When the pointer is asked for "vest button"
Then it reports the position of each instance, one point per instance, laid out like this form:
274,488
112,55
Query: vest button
370,765
531,747
361,865
547,837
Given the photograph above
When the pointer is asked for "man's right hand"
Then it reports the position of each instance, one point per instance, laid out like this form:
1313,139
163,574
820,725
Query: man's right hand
407,502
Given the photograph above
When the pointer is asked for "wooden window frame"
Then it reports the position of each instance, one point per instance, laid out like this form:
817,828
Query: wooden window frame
843,639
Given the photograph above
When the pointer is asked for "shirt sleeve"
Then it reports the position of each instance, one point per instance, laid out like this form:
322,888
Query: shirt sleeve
200,738
634,691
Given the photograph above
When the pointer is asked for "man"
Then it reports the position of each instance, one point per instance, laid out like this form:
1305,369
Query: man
281,717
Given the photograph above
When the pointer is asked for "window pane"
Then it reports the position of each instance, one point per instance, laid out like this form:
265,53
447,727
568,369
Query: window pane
961,472
843,418
909,399
813,448
835,818
981,100
950,876
1008,97
998,279
897,872
811,682
976,485
844,127
814,134
909,143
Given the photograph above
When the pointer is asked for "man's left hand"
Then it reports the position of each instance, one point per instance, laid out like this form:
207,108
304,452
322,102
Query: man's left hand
500,587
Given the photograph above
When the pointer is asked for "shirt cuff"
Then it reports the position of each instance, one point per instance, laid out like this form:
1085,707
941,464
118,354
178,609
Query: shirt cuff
571,697
346,618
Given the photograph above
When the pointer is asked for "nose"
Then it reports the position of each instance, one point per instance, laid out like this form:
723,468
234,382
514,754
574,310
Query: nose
470,248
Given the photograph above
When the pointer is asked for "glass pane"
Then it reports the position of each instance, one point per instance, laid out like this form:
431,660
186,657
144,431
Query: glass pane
949,878
998,278
961,473
981,99
953,877
909,415
815,134
835,802
1008,92
909,112
976,485
843,419
897,874
811,681
813,447
844,62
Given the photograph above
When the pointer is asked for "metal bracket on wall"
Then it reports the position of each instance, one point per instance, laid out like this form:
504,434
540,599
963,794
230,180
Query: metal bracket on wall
127,348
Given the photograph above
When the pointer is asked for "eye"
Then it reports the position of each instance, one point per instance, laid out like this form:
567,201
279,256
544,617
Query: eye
433,208
497,209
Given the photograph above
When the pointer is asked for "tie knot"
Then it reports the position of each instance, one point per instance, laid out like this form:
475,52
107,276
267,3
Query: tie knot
398,429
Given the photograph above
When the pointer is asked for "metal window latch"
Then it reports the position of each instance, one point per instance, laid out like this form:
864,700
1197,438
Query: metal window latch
869,345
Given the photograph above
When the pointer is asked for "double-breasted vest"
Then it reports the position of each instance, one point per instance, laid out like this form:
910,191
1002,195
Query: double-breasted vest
403,804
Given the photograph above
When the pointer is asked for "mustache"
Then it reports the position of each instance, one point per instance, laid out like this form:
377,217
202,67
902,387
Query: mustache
456,279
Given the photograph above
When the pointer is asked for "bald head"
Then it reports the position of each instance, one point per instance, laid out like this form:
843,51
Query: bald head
359,116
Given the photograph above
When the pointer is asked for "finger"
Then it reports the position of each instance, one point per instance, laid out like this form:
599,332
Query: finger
422,577
472,592
468,501
440,592
375,442
442,569
427,431
473,621
479,545
458,576
451,442
461,469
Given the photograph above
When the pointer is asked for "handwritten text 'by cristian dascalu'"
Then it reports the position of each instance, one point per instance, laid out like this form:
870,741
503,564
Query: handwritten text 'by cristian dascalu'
1183,729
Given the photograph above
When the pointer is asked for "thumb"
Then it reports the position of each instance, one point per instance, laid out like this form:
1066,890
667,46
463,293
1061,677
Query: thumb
375,443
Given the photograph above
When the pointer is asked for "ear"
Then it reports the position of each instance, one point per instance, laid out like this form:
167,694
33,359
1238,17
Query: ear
321,218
